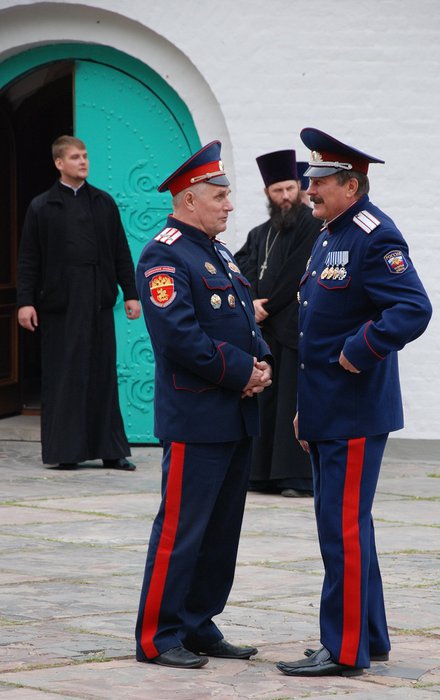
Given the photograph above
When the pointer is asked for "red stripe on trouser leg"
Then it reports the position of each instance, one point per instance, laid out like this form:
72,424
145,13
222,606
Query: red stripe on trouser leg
351,626
164,549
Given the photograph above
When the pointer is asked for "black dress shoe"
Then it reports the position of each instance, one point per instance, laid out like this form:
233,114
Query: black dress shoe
179,657
373,657
319,663
121,463
224,650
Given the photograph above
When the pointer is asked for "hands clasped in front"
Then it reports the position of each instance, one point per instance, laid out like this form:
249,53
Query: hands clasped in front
259,380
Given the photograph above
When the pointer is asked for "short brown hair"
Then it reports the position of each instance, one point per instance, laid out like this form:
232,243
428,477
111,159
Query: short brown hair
62,143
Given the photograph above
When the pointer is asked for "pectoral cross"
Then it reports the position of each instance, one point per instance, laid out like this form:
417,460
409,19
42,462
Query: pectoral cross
263,269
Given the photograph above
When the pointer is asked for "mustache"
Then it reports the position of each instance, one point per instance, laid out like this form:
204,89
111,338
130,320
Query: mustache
316,200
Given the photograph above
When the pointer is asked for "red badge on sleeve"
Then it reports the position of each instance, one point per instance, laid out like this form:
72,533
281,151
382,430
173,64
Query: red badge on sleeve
162,290
396,261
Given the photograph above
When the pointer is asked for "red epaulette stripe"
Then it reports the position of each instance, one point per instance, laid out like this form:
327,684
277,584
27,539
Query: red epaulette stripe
351,625
366,221
168,235
164,550
370,216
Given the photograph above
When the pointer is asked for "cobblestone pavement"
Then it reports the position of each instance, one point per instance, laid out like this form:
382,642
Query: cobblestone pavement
73,549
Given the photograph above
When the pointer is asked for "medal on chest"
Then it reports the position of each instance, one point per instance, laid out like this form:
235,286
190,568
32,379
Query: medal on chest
216,301
335,263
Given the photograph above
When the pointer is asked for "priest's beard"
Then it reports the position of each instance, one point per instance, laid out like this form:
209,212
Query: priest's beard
282,219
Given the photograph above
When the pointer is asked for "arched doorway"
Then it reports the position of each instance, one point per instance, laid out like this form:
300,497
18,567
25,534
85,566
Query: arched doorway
136,129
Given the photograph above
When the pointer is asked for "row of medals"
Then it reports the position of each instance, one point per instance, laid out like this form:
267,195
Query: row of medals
334,273
216,300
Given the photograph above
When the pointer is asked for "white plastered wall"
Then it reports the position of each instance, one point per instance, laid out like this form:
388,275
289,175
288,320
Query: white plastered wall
253,73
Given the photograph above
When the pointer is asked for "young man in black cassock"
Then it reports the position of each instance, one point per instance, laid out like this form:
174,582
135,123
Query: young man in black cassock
274,258
73,254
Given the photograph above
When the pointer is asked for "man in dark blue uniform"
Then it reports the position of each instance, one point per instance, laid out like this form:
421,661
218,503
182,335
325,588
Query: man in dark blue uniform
211,361
361,301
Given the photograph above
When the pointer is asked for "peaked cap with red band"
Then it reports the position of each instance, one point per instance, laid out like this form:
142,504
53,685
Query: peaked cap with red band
329,156
203,166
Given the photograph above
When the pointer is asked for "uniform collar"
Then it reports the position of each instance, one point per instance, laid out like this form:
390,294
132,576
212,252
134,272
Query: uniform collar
195,234
342,219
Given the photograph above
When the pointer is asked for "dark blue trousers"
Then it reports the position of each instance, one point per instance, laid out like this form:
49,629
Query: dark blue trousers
193,545
352,614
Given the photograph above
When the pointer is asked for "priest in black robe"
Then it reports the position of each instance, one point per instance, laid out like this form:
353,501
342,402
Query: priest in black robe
273,259
73,255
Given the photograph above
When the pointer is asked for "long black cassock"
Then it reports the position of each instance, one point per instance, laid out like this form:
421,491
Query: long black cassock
277,457
81,418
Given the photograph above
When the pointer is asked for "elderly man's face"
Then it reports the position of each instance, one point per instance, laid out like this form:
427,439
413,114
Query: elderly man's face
330,198
211,208
284,194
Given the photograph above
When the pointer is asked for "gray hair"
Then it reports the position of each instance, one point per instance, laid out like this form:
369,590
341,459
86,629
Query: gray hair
344,176
198,187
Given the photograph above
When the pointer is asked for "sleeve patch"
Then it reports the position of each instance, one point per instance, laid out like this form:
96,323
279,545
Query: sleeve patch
162,292
396,262
366,221
168,236
159,268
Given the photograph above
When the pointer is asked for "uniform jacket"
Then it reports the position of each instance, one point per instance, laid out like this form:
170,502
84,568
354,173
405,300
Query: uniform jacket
369,306
41,280
295,244
200,318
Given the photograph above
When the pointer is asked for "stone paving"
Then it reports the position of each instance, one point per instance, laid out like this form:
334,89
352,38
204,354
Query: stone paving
73,549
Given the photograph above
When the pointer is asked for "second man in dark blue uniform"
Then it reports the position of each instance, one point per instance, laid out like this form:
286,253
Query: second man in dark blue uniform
361,301
211,361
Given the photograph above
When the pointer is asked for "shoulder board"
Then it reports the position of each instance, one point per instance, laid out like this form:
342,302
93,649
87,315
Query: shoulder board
366,221
168,236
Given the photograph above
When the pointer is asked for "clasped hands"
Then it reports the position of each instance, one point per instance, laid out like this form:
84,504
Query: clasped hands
260,378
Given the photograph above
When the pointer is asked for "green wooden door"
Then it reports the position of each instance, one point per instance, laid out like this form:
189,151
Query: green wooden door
134,141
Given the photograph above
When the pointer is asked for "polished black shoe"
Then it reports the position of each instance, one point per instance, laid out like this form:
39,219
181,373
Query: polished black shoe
179,657
373,657
319,663
121,463
224,650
